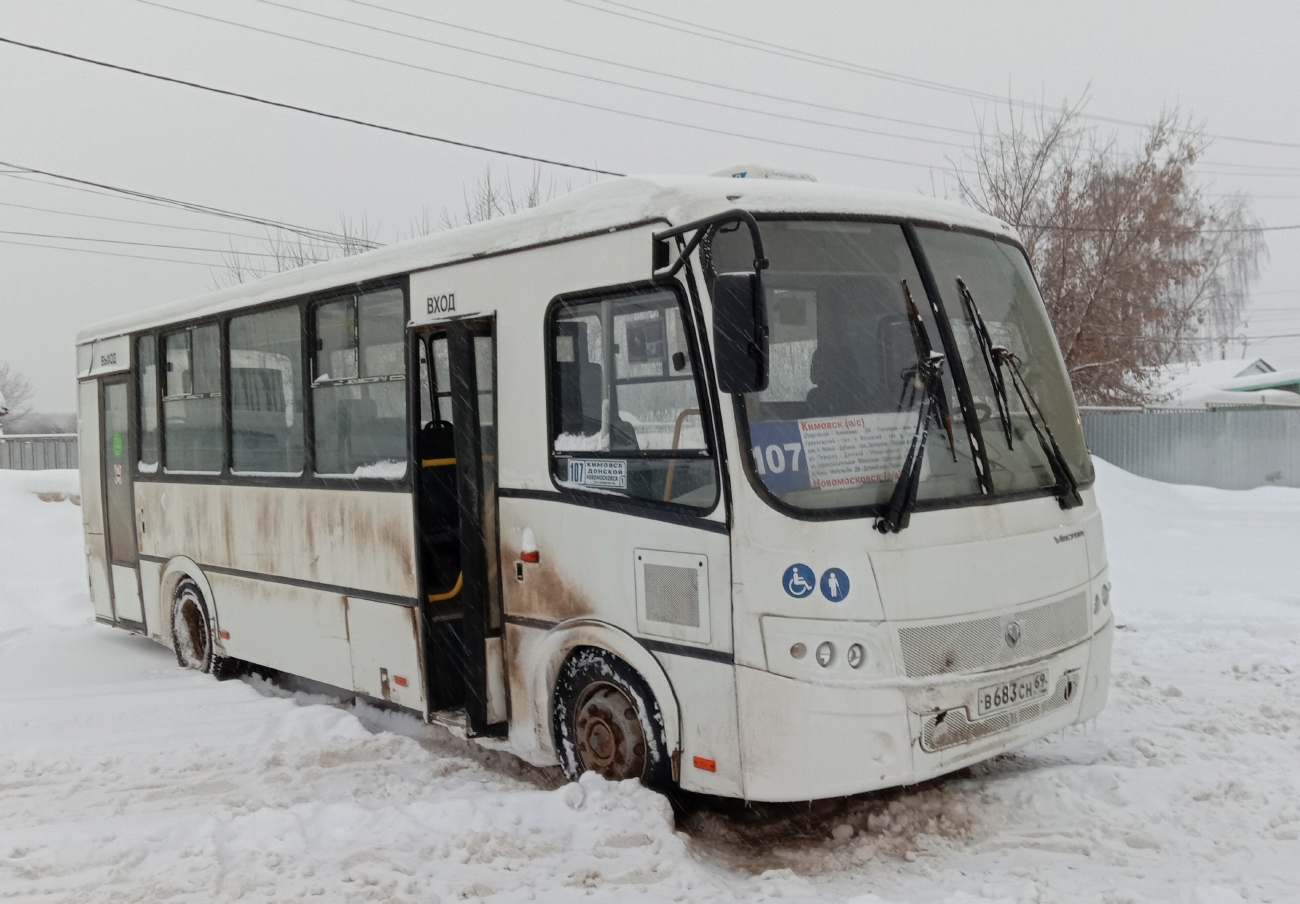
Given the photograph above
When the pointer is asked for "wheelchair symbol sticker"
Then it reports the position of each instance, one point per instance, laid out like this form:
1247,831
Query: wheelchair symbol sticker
799,580
835,585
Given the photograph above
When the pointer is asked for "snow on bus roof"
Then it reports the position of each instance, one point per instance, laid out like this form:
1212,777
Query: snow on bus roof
597,208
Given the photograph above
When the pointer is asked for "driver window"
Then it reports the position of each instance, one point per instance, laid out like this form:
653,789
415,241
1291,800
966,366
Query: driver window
625,408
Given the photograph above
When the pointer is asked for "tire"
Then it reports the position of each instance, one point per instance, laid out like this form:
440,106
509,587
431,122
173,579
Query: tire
192,634
606,720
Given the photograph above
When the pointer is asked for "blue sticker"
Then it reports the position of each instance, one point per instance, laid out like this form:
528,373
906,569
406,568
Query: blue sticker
799,580
835,585
778,454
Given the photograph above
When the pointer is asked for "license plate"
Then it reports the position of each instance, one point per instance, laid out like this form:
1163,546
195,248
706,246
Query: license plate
1013,693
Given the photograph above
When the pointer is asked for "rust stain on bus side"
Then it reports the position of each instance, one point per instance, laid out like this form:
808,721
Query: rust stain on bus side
543,593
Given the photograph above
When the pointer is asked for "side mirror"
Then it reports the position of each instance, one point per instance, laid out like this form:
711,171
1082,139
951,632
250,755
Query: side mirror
740,332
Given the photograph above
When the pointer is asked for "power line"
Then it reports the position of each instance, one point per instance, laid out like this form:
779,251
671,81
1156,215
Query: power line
678,24
81,238
1163,231
478,81
630,86
140,257
284,106
304,231
668,75
605,81
91,216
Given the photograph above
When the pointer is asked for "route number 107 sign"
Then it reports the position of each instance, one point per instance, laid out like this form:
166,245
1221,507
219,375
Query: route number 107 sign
832,452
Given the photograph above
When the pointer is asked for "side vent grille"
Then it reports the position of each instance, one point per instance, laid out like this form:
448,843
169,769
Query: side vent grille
672,594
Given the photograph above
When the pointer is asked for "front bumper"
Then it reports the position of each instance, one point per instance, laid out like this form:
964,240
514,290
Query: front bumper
802,740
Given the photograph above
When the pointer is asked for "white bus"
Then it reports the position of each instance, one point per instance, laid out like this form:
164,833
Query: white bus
765,489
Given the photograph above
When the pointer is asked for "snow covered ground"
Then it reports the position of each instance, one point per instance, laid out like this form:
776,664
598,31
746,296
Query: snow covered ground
123,778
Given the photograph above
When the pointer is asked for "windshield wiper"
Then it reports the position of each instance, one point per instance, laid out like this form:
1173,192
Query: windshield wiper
924,351
992,364
928,373
1067,488
995,358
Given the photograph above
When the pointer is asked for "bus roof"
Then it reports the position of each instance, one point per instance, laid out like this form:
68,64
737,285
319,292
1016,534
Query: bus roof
597,208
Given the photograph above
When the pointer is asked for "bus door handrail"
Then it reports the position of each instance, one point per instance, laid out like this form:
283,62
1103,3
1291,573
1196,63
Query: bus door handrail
672,462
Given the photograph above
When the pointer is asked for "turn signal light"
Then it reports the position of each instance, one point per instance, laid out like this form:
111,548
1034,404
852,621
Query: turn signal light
706,764
531,555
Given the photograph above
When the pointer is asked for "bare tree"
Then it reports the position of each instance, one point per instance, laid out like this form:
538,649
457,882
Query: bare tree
1137,268
17,391
285,250
491,197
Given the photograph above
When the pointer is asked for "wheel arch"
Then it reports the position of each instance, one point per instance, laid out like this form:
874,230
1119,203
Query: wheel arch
176,570
564,638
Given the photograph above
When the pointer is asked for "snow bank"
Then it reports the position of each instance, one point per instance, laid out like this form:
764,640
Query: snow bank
125,778
42,563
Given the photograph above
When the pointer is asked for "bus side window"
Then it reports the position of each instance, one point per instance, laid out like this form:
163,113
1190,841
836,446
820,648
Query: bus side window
266,392
625,406
147,399
192,400
359,386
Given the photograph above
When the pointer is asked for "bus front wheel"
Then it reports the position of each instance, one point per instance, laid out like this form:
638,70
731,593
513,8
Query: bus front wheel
192,631
607,721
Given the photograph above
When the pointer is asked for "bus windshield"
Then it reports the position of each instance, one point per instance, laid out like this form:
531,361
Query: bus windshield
833,427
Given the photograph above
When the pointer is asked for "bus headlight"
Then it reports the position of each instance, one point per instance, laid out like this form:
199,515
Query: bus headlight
825,654
855,656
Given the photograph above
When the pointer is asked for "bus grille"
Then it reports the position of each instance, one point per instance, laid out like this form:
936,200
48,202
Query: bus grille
672,594
982,644
954,728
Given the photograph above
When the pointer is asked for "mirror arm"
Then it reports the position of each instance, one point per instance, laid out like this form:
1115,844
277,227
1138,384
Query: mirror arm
698,227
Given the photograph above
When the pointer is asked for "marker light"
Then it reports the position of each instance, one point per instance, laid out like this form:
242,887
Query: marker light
528,547
825,653
798,651
705,764
855,656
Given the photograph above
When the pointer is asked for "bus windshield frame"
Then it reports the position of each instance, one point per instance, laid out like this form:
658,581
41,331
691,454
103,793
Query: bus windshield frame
842,284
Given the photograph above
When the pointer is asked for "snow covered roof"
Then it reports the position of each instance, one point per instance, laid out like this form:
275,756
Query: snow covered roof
1234,381
597,208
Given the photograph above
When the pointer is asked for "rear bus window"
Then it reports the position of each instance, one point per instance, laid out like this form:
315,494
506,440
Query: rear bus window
625,410
359,387
192,400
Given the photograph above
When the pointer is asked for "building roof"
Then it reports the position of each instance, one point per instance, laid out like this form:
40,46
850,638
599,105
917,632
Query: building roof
597,208
1233,381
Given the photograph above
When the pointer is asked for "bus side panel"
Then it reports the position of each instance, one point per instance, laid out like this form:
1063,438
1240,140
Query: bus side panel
587,570
710,761
92,503
350,539
296,630
385,646
158,620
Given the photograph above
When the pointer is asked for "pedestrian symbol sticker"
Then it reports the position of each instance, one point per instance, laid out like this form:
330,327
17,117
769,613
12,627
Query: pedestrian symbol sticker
799,580
835,585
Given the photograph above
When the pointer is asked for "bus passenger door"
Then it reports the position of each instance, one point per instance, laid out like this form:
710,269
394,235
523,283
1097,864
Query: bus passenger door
457,505
119,503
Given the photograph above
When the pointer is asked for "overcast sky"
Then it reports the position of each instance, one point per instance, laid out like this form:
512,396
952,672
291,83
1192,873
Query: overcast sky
1234,66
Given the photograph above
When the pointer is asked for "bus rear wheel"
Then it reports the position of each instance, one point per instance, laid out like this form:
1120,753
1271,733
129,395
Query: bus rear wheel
607,721
192,632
